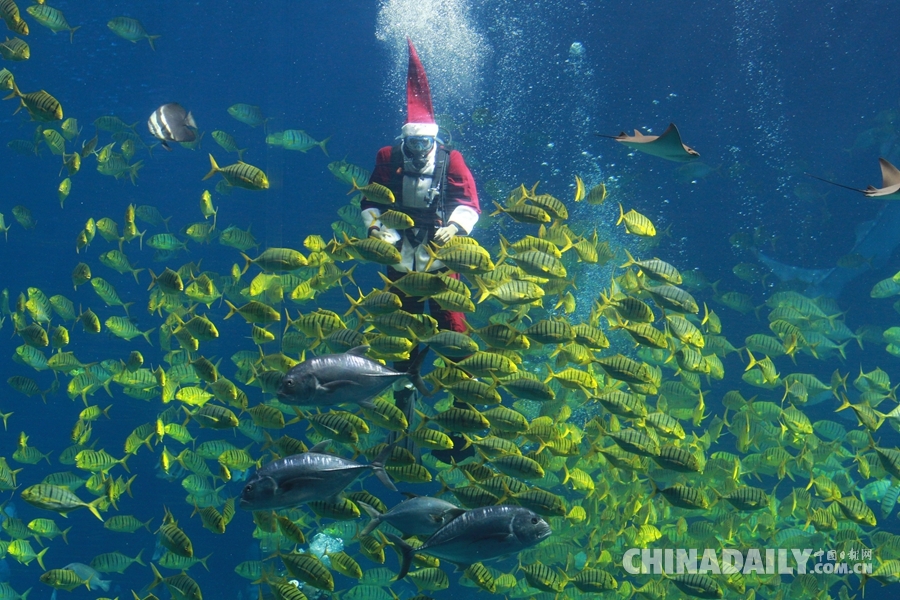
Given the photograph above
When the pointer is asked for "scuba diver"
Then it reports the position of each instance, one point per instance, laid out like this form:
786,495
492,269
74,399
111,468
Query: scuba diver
435,188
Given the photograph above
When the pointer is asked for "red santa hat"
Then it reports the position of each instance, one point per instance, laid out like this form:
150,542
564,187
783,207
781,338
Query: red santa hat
419,112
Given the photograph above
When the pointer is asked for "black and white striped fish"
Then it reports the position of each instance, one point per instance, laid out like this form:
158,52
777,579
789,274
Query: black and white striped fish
171,123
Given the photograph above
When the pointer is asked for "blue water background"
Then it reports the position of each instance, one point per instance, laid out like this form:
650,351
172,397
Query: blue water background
763,90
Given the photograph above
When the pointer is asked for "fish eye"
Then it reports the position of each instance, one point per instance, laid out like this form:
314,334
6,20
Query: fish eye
288,383
248,487
534,520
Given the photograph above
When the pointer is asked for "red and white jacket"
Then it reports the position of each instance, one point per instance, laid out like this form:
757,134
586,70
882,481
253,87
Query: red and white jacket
410,188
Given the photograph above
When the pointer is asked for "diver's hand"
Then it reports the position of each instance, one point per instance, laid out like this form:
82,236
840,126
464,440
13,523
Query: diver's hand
385,235
445,234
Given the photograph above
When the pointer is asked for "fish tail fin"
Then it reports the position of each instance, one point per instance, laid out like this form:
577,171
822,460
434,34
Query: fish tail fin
387,282
566,475
374,514
349,275
40,556
133,169
150,39
504,250
414,373
214,168
568,245
247,262
157,578
845,403
483,288
138,560
406,554
432,257
630,260
354,304
64,533
15,93
72,40
621,214
753,362
378,467
841,349
322,145
233,311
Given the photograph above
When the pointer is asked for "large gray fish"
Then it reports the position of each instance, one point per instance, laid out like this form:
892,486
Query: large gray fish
299,478
344,379
171,123
477,535
418,515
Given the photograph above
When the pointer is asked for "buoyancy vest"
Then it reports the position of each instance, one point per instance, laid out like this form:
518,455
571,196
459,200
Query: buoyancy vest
432,215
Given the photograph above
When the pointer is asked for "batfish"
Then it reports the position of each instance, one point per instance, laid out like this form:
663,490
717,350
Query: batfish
171,123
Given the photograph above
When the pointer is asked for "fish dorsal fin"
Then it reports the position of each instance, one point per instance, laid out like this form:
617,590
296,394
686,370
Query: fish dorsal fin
890,175
358,351
453,513
321,446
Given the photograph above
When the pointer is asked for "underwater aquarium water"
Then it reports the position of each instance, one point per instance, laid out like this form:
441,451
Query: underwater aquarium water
664,332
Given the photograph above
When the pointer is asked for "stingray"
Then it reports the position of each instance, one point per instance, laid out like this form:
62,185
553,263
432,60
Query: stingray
877,238
890,183
668,145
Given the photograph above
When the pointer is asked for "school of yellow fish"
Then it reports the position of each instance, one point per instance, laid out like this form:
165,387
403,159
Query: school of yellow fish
615,426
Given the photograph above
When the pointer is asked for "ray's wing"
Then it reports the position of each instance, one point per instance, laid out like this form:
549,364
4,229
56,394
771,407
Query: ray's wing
670,146
890,175
890,183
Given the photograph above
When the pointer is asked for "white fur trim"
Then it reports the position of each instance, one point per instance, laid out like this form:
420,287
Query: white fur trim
391,236
429,129
465,217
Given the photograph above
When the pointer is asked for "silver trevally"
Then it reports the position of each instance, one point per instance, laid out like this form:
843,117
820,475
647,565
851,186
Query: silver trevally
418,515
311,475
344,379
478,535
